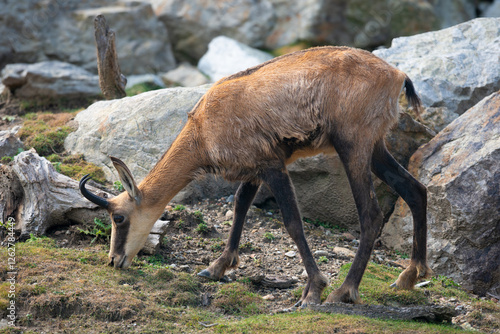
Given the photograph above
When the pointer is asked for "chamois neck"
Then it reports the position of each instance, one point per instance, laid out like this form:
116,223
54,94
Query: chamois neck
173,171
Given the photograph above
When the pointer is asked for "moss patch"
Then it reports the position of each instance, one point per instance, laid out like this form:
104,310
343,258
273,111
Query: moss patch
45,132
236,298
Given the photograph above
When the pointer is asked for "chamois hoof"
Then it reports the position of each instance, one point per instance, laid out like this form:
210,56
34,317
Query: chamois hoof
344,295
411,275
206,274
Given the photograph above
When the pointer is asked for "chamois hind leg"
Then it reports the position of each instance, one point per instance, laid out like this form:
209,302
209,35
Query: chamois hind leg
281,186
415,195
356,160
229,259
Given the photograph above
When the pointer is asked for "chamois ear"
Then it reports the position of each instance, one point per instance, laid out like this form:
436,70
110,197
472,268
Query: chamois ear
127,179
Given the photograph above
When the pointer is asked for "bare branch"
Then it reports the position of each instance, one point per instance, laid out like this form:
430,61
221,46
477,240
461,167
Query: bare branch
111,81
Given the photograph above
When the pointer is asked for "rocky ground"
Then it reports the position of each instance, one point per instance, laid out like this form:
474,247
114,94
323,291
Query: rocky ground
268,257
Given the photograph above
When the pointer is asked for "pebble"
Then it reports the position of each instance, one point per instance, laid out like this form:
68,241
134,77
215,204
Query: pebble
321,253
230,199
344,252
229,214
348,236
291,254
185,268
268,297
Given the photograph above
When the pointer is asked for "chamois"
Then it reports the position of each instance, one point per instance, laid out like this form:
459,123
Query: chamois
250,125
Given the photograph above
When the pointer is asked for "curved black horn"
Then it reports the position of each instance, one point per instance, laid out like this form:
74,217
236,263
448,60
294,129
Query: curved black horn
91,197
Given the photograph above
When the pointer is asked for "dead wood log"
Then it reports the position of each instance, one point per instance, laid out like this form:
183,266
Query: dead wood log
40,198
273,282
427,313
111,80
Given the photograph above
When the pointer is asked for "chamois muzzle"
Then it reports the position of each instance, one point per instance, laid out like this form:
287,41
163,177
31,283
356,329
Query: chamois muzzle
91,197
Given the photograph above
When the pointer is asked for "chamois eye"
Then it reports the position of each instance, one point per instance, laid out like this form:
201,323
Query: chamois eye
118,219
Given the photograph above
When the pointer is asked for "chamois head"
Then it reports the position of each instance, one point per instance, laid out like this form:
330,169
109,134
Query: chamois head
131,219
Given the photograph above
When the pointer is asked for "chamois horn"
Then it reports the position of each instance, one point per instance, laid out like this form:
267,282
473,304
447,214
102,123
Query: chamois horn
91,197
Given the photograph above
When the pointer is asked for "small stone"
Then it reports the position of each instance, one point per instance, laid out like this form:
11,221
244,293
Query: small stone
152,244
160,227
268,297
319,253
291,254
348,236
185,268
230,199
229,214
344,252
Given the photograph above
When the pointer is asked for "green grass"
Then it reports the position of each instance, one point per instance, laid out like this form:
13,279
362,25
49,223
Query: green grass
330,226
269,236
99,230
179,207
375,288
313,322
46,132
141,88
236,298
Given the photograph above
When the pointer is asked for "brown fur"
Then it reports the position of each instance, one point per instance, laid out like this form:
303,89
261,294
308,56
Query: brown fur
259,118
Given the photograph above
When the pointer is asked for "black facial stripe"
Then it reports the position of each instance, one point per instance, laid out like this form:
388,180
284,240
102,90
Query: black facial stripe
121,237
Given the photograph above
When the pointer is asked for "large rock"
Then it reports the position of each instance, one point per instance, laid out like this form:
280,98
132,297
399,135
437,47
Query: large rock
33,31
227,56
366,24
275,23
453,69
138,130
50,79
461,170
452,12
193,24
493,10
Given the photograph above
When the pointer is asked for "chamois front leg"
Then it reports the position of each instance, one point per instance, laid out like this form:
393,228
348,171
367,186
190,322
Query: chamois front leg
229,259
415,195
281,186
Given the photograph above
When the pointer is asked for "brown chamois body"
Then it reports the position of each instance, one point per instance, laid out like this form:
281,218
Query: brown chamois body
250,125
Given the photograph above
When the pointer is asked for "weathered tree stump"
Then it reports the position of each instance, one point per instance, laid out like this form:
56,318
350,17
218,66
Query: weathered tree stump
111,80
39,198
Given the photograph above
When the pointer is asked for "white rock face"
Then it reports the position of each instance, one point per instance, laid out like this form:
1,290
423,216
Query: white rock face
50,78
452,69
138,130
227,56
